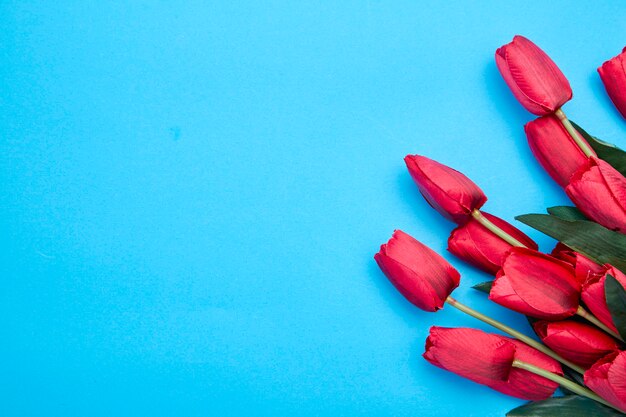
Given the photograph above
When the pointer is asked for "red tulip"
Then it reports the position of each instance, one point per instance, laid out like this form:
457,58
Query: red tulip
537,285
473,243
554,148
580,343
420,274
535,80
599,191
487,359
607,378
594,297
613,75
585,268
447,190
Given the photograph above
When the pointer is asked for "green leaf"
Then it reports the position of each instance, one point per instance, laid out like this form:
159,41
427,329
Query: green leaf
567,213
610,153
616,302
484,286
568,406
592,240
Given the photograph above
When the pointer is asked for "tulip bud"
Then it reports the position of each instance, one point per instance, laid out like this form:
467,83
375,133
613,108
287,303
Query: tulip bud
594,297
607,378
420,274
535,80
447,190
578,342
584,267
537,285
478,246
554,148
613,75
599,191
488,359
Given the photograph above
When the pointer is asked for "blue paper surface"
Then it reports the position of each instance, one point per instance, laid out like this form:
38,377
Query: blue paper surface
193,192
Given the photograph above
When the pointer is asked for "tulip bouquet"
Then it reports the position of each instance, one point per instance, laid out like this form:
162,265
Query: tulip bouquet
573,297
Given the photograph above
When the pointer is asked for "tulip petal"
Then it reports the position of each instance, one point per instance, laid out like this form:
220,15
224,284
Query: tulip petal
447,190
535,80
594,297
585,268
607,378
617,376
615,182
537,285
481,357
580,343
414,289
420,274
599,191
613,76
475,244
554,148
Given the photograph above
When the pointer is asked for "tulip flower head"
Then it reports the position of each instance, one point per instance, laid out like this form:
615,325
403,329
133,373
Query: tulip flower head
447,190
578,342
584,267
607,378
420,274
554,148
535,80
594,297
478,246
599,191
488,359
537,285
613,75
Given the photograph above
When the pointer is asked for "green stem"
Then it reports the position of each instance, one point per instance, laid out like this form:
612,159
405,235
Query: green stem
476,214
574,134
564,382
592,319
518,335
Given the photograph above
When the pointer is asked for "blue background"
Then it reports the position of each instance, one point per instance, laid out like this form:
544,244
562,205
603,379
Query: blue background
192,193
